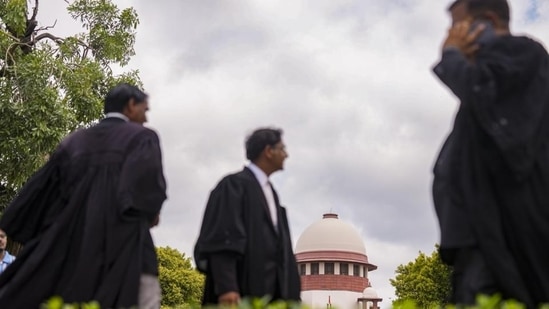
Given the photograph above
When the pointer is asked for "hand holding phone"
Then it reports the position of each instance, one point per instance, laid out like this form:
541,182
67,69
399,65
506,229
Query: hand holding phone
486,35
465,36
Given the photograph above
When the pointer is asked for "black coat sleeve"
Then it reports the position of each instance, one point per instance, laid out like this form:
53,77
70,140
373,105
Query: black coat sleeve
142,187
454,71
505,92
223,271
222,239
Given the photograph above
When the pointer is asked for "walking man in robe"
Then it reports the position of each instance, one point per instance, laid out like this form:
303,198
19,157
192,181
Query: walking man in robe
84,217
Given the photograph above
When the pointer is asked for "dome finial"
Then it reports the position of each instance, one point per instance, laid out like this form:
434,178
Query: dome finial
330,216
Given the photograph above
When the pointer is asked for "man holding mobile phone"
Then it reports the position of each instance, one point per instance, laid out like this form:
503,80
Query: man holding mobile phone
491,176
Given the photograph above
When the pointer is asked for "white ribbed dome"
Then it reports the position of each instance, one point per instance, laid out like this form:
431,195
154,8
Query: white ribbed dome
330,234
370,292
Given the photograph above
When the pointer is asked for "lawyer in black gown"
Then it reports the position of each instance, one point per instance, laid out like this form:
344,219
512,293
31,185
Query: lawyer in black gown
84,217
491,181
244,246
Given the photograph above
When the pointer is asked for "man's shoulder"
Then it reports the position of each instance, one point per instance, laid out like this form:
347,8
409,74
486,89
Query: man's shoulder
134,129
523,39
244,174
515,46
126,129
238,178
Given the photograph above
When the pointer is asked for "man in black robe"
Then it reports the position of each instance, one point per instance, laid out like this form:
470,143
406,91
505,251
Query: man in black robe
84,217
492,174
244,247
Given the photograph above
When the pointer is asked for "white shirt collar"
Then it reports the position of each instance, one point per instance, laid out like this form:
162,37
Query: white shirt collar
117,115
260,175
8,258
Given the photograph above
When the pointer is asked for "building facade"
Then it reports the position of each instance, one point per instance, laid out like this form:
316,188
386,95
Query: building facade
334,267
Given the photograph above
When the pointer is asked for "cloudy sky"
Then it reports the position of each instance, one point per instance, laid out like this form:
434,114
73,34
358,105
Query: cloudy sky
349,81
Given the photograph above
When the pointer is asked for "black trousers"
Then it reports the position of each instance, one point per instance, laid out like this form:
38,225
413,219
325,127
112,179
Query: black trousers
471,277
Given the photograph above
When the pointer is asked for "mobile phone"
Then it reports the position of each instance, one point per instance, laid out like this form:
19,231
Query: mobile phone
486,35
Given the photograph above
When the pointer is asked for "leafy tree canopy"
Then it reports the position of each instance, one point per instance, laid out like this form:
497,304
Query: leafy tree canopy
181,283
426,281
51,85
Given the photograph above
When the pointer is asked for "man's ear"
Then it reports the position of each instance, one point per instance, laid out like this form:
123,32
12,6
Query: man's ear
131,104
267,151
129,108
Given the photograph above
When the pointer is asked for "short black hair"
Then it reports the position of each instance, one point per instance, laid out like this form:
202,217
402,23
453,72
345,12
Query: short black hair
454,4
119,96
477,7
500,7
259,139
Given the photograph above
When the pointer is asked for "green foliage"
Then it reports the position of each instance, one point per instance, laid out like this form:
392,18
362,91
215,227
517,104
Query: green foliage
263,303
49,85
110,30
181,284
426,280
15,17
57,303
483,302
6,195
258,303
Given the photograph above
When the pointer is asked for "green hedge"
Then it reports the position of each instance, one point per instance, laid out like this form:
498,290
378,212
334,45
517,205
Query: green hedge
483,302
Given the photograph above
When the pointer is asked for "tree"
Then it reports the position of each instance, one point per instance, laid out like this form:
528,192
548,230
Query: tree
181,283
426,280
50,85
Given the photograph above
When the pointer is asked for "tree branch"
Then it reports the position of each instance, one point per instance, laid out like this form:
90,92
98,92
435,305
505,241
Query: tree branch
50,36
47,27
34,10
59,40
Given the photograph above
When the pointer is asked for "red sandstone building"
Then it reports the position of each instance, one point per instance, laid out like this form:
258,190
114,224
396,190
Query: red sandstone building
334,267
